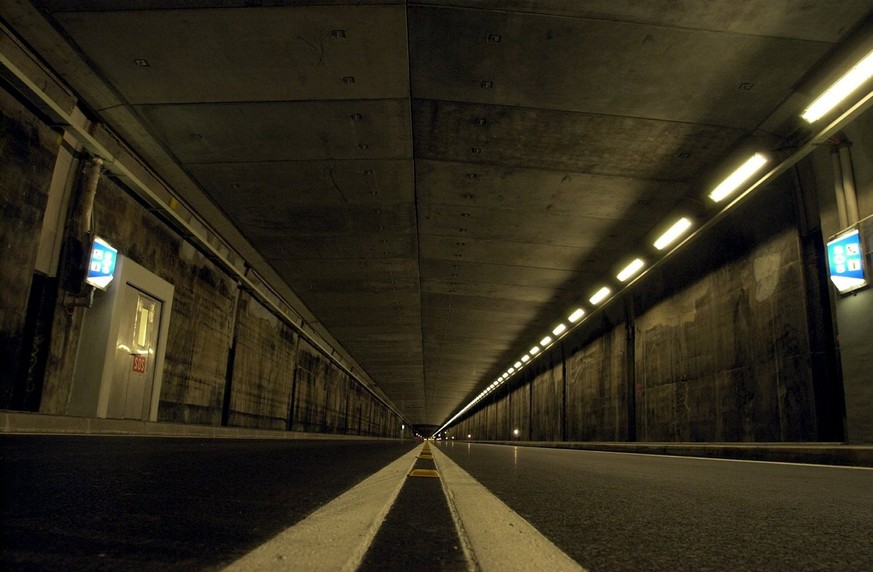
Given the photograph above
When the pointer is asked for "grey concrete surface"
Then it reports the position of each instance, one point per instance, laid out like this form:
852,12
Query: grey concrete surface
117,503
614,511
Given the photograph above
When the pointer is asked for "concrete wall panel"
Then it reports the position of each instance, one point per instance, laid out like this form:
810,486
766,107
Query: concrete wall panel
723,359
519,412
547,401
311,390
27,154
263,368
596,389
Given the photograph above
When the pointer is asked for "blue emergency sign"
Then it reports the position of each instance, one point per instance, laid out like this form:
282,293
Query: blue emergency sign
846,262
101,266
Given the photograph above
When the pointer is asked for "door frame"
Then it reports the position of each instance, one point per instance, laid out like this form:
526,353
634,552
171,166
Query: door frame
92,380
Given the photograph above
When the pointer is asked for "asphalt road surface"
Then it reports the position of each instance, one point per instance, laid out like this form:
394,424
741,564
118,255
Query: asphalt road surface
615,511
121,503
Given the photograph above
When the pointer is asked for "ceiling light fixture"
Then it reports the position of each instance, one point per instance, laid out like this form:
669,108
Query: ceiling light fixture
674,232
840,90
545,341
517,365
525,358
511,370
559,329
600,295
576,315
745,171
535,350
630,269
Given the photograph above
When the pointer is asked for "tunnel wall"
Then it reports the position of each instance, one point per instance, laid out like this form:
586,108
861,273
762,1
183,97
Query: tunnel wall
713,345
27,153
853,312
228,361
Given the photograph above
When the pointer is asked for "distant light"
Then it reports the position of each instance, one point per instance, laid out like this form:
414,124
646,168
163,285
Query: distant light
840,90
600,295
515,432
674,232
559,329
534,350
631,269
545,341
745,171
516,365
525,358
403,427
577,313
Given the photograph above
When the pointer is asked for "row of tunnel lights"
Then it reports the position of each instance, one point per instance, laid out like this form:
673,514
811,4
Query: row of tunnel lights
821,106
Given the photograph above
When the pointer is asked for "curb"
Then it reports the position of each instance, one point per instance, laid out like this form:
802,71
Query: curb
17,423
816,453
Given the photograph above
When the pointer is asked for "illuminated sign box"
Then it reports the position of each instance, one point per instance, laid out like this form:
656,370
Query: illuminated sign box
846,261
101,265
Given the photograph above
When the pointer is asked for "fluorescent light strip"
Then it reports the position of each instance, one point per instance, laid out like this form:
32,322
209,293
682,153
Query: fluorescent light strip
745,171
600,295
511,370
576,315
674,232
535,350
559,329
517,365
545,341
525,358
631,269
840,90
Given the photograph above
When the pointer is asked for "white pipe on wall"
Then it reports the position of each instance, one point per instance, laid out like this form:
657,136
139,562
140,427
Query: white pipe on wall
848,174
838,188
96,169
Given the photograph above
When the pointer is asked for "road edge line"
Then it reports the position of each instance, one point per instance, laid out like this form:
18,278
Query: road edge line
337,535
500,539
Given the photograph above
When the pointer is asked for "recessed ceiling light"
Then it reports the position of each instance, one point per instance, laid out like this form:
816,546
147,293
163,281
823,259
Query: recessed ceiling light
534,350
674,232
630,269
577,313
600,295
516,365
525,358
545,341
840,90
738,177
559,329
511,370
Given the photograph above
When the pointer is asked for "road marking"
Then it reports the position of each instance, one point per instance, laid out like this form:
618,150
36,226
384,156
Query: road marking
498,537
424,473
720,459
336,536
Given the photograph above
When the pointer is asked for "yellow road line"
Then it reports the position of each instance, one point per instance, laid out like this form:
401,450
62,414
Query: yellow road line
424,473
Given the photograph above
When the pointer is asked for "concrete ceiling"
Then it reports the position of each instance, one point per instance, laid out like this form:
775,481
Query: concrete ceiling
440,181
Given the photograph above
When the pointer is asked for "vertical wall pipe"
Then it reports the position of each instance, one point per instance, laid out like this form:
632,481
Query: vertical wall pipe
838,188
848,176
90,191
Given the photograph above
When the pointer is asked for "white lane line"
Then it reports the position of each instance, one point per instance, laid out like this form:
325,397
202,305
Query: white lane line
499,538
336,536
719,459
